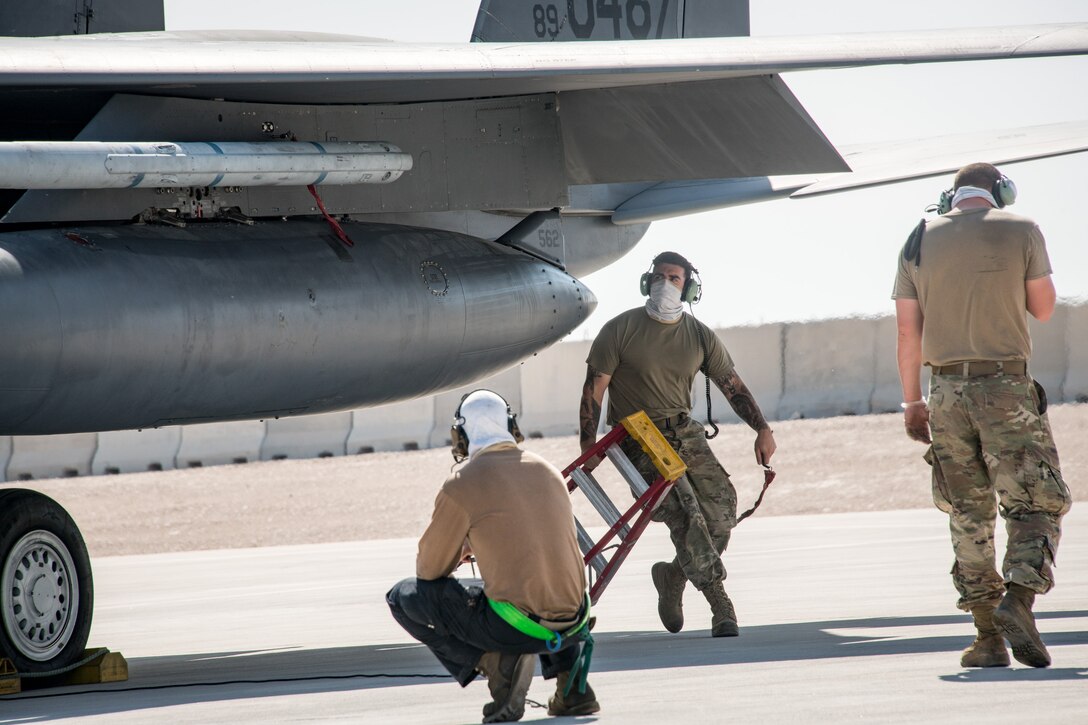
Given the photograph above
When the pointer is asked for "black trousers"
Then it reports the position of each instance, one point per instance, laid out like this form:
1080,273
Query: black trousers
458,625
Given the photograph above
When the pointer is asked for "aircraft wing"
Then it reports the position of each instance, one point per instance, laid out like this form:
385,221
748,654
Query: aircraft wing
680,110
293,68
872,165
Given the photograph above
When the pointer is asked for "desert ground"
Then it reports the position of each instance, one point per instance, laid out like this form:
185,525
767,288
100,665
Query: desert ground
843,464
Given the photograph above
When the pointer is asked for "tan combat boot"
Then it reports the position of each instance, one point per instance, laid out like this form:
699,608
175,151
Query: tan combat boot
988,649
575,703
724,619
508,677
670,582
1015,619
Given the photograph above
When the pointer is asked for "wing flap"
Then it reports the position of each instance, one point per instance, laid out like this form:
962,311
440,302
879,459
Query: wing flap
873,164
738,128
877,164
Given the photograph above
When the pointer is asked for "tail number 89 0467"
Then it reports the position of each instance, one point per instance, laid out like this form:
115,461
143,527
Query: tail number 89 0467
581,16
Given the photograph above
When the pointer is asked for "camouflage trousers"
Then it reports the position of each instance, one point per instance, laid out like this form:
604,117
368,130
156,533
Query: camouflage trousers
990,442
701,508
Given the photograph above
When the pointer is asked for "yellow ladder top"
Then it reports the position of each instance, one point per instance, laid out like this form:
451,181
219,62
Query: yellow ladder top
664,458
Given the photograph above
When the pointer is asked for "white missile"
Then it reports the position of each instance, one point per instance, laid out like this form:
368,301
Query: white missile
117,165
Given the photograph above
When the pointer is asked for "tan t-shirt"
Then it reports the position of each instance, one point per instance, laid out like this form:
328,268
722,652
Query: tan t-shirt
653,363
515,511
970,285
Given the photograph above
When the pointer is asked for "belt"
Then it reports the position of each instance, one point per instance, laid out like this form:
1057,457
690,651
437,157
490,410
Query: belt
672,422
978,368
530,625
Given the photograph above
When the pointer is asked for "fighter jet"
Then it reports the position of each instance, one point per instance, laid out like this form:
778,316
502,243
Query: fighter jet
210,226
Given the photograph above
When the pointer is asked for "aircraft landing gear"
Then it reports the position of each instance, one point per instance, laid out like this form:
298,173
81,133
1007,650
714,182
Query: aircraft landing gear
46,589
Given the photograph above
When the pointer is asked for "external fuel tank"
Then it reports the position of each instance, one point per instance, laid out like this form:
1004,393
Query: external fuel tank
105,328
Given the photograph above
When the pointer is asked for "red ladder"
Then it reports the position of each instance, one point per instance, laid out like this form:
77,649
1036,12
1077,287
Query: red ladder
647,498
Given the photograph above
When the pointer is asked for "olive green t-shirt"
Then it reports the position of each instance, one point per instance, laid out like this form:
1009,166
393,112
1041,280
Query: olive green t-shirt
969,283
653,363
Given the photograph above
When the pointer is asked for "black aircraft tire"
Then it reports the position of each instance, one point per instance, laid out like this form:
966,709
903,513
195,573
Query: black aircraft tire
46,589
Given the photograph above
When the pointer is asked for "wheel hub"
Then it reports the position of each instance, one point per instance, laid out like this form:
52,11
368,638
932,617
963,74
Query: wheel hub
39,595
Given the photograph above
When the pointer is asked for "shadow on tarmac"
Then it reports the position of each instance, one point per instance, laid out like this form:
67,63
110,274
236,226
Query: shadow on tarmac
1024,674
799,641
179,680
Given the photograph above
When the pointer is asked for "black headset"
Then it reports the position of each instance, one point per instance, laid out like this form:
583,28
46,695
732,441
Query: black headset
458,437
1003,192
693,285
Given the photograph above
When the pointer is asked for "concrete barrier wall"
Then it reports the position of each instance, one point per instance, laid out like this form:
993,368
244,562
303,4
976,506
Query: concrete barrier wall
1075,386
829,368
5,456
306,436
54,456
128,451
887,392
211,444
393,427
1050,353
814,369
757,355
551,389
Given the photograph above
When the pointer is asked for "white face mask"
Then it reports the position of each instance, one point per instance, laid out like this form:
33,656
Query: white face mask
972,192
664,304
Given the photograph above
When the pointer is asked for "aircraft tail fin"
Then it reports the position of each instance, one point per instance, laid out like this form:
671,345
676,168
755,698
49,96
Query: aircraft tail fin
35,18
555,20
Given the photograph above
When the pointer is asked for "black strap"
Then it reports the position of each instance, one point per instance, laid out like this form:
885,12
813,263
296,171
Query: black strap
912,250
706,377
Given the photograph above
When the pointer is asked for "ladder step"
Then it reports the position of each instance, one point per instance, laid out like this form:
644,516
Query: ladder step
627,469
599,499
585,544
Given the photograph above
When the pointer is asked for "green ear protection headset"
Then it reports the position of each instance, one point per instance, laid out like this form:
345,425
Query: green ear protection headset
458,437
1003,191
692,291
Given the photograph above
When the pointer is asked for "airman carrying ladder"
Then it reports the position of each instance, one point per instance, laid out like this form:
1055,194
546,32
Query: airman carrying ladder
580,475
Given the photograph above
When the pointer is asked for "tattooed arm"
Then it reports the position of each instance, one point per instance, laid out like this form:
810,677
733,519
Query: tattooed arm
744,405
589,412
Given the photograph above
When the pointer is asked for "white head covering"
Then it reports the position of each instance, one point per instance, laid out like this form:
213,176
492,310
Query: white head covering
972,192
485,421
664,304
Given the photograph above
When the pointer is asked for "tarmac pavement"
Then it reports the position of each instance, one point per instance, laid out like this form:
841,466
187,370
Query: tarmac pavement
844,617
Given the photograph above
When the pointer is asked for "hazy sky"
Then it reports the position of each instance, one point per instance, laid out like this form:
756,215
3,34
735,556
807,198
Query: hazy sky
831,256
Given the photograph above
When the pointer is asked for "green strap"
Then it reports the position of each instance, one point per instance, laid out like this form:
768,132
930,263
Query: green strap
520,621
580,672
526,625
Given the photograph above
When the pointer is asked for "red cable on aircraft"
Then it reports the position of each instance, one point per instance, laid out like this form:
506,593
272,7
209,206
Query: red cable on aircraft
337,229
